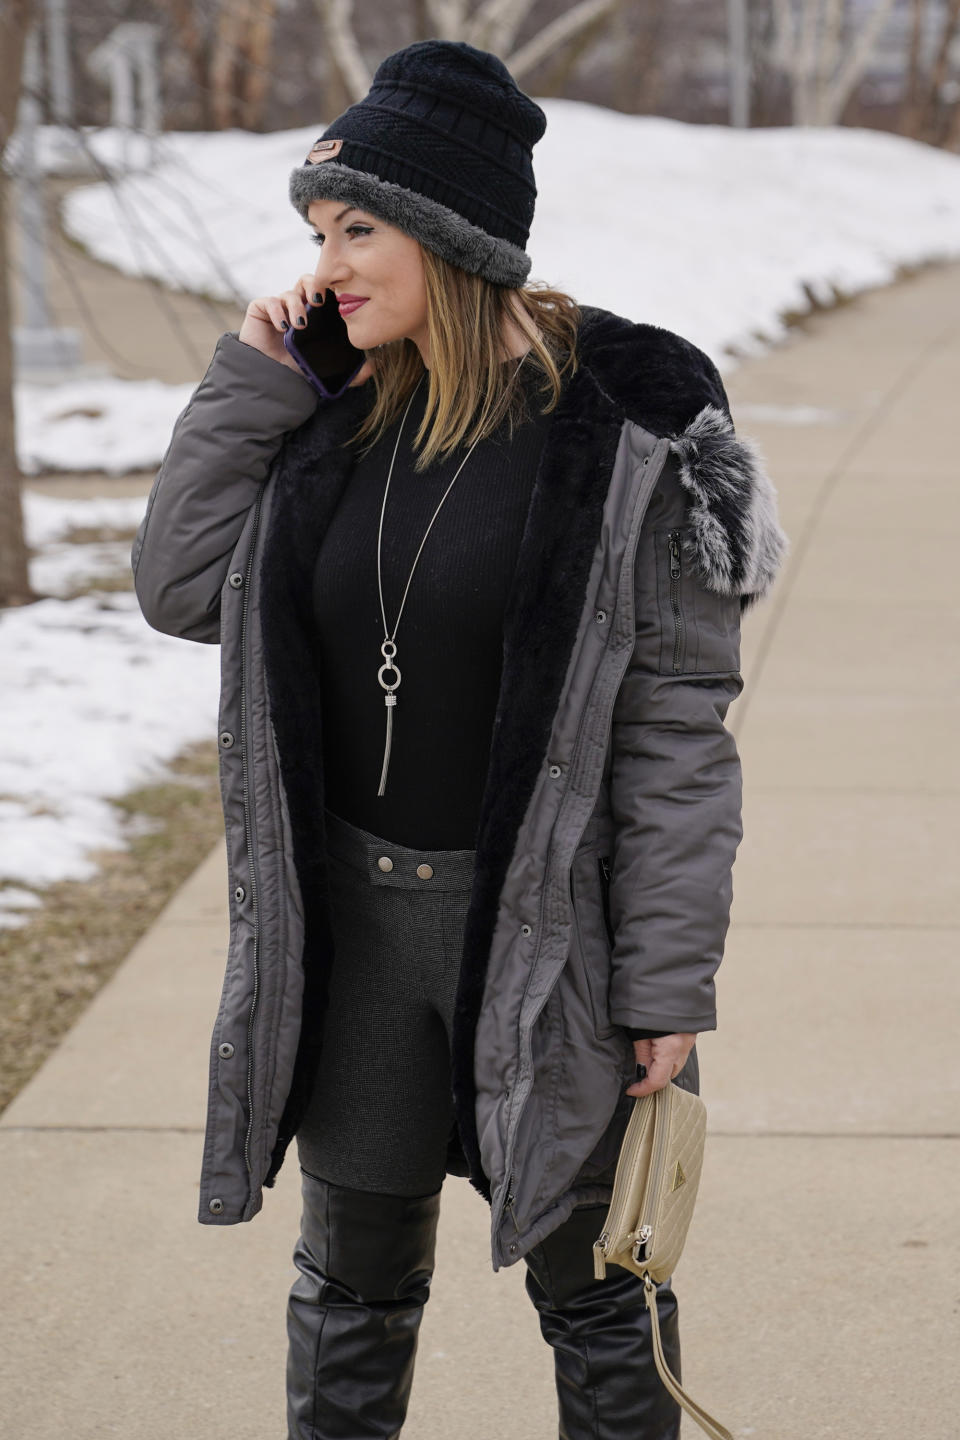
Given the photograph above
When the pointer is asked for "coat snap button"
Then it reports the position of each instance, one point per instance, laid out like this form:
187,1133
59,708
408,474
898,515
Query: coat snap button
225,1051
239,894
601,617
525,930
236,580
215,1207
424,871
513,1249
555,772
226,739
385,864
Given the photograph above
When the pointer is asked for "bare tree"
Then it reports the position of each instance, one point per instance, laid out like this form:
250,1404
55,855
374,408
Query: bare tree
191,39
239,63
16,17
228,46
925,113
491,25
824,67
345,52
639,72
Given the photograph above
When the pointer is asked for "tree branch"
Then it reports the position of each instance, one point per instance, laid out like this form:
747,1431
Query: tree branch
557,33
495,24
337,16
850,73
449,18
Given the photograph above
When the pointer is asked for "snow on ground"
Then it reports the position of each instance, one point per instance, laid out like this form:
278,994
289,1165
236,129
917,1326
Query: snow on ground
712,232
94,703
59,565
96,424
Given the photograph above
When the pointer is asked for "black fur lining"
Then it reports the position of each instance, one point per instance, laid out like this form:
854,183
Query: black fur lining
543,615
312,471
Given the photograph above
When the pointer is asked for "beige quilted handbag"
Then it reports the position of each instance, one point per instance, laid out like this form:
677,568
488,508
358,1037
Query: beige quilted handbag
654,1190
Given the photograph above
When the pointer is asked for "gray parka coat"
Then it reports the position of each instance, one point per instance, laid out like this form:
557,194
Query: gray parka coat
611,814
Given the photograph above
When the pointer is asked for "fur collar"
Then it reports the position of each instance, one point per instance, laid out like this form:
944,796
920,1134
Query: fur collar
636,372
671,388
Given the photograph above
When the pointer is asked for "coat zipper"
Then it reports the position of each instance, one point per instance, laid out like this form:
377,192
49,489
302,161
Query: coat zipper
678,627
248,833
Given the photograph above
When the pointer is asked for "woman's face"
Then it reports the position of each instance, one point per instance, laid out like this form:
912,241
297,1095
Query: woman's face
376,273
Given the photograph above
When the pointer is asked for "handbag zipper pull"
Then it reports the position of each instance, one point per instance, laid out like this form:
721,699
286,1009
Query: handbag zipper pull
640,1238
600,1256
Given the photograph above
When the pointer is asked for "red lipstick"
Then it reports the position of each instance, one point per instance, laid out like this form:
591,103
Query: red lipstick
347,304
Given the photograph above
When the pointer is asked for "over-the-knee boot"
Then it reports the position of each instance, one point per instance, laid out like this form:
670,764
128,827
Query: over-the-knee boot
608,1386
365,1263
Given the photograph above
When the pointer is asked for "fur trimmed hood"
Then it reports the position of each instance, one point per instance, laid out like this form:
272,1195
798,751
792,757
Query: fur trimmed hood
672,389
739,544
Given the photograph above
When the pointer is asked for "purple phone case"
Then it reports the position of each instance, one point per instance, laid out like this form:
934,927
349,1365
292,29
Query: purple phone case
321,386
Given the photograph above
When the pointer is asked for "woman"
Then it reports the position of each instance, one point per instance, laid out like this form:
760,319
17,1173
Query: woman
480,629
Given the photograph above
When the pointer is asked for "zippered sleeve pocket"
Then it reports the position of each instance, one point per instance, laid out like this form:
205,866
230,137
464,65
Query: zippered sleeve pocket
699,629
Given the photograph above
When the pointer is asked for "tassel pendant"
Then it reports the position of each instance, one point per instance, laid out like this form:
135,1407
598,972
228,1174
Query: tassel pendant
389,651
391,702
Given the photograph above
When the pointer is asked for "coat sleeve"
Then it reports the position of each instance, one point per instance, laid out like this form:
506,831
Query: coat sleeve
674,781
219,456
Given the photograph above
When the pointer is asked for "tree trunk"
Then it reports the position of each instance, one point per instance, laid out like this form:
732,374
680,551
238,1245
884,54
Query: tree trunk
344,47
908,120
227,40
930,128
257,50
858,56
15,19
638,72
561,31
564,64
192,41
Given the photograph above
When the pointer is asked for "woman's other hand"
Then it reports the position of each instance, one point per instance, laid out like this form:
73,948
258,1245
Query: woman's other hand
269,315
663,1058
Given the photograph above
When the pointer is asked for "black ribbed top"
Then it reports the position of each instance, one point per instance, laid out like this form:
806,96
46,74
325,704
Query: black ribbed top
450,637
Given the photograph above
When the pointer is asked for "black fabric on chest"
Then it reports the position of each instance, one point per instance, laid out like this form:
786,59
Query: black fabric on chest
450,636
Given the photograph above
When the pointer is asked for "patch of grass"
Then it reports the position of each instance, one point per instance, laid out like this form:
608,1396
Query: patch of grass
51,967
95,534
113,582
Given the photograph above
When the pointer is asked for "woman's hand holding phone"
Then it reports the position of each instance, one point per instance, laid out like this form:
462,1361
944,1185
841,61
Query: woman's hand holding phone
263,324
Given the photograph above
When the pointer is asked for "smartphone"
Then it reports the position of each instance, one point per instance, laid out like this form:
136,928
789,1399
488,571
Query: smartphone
322,349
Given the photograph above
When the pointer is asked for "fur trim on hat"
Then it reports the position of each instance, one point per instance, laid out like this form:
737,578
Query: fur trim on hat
738,542
439,229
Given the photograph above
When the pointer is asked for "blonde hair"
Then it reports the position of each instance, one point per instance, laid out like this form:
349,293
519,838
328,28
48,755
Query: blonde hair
470,391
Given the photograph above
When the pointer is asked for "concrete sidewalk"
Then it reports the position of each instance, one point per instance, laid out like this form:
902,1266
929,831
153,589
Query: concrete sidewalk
818,1290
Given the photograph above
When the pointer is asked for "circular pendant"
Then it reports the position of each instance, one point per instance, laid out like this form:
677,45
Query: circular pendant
388,685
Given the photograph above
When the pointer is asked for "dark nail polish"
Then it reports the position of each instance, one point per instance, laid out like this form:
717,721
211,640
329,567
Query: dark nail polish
641,1072
318,298
301,320
284,325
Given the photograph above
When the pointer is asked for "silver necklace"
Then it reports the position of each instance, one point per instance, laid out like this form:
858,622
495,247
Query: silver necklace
389,647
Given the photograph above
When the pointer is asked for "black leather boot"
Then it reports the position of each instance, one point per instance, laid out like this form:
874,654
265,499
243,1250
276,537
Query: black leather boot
608,1386
365,1263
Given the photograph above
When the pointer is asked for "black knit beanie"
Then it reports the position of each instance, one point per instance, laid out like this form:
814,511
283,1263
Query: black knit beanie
441,147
